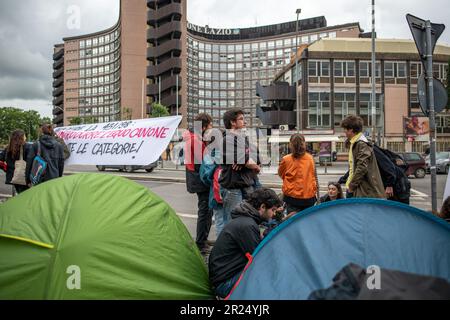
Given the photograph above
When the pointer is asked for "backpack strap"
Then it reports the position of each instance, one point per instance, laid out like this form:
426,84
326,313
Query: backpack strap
39,148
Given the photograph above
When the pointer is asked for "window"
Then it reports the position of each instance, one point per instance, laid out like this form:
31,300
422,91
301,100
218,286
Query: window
338,69
312,68
319,111
325,68
401,69
389,69
416,70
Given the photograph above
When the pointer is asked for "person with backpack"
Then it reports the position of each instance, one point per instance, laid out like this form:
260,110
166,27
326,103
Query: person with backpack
364,179
194,149
396,183
17,149
51,151
210,172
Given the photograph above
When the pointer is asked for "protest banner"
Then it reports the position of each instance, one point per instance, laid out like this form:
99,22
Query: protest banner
133,142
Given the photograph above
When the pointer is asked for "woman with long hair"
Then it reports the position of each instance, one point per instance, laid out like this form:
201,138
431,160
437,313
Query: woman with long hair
334,192
297,170
17,146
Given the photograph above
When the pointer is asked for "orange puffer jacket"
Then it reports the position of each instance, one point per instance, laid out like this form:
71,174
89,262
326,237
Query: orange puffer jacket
298,176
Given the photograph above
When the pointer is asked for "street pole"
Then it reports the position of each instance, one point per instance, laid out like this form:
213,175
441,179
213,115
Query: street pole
159,89
373,98
430,95
142,106
299,115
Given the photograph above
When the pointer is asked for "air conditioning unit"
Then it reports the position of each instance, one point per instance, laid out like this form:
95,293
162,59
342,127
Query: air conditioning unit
284,127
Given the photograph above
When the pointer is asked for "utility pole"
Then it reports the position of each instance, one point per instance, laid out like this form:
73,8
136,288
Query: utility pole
299,114
374,92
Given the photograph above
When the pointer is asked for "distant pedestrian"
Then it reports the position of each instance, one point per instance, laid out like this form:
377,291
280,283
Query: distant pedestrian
364,179
194,149
168,155
297,170
51,151
240,237
17,149
334,192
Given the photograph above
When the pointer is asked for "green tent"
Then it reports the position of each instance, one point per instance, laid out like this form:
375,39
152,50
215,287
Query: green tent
96,236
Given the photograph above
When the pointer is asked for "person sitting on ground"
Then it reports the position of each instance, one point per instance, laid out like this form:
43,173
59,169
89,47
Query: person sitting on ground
334,192
239,237
445,210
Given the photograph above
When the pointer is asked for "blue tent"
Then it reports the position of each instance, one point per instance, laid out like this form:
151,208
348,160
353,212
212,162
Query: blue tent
305,252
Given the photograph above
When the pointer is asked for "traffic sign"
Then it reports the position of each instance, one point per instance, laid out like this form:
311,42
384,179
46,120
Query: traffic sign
440,95
418,30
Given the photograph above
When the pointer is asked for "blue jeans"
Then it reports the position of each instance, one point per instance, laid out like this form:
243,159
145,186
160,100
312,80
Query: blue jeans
221,219
231,199
223,289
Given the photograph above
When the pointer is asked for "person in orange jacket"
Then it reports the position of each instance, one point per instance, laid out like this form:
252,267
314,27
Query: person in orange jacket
299,180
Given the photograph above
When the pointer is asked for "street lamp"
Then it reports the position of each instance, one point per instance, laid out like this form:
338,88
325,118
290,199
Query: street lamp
298,11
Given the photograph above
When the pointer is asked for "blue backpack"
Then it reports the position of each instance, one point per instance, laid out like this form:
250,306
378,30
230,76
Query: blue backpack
38,167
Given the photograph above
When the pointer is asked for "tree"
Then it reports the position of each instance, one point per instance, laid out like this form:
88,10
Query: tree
126,114
79,120
14,118
158,110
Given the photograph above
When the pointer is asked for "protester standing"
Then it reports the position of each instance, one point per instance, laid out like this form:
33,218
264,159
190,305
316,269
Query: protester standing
194,149
364,179
241,164
51,151
297,170
17,149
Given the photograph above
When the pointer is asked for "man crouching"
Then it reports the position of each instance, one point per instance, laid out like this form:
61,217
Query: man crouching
239,237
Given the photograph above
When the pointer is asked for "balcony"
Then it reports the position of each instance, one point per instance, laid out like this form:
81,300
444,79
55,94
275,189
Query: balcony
171,101
58,72
58,63
168,46
58,82
58,91
57,110
170,64
59,120
167,29
58,54
153,89
58,101
153,16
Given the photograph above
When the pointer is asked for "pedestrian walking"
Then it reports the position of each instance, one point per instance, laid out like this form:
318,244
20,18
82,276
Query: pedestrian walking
16,151
297,170
364,179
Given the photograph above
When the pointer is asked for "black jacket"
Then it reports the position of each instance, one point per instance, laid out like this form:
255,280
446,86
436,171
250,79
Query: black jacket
240,236
53,153
232,154
10,161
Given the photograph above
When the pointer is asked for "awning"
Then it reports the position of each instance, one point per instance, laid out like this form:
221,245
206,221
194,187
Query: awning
308,138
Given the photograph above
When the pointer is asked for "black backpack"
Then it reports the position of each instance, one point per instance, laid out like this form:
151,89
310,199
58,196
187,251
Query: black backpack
392,170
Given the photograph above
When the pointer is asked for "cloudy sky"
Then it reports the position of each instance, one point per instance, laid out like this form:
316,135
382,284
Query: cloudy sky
30,28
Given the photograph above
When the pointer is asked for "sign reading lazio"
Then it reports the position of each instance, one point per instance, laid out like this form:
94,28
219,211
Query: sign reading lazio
133,142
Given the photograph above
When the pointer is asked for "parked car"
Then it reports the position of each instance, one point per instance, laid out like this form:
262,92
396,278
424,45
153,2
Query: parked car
442,162
416,164
128,168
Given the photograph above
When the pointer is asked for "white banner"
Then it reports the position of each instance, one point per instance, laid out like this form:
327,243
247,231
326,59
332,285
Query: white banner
133,142
447,188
